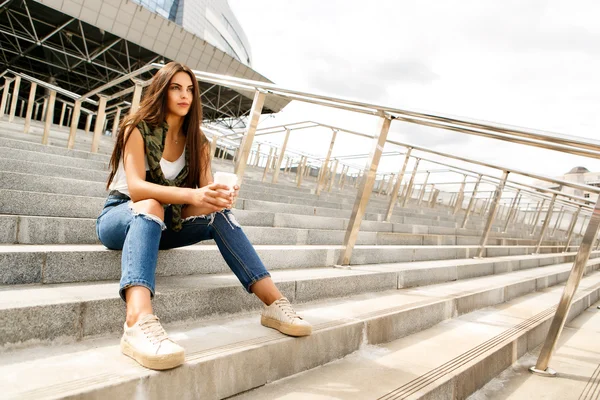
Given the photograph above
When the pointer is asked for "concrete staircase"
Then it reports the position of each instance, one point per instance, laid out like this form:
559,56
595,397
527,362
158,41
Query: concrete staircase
413,284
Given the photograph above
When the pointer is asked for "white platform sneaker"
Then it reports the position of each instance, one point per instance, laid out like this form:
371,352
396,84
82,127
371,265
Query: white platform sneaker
281,316
148,344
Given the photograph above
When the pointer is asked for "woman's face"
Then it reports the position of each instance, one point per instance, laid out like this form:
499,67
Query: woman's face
181,94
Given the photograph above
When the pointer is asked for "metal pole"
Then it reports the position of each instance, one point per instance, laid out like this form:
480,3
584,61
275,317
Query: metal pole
267,165
381,184
115,128
460,197
257,159
410,184
62,114
471,203
30,104
15,99
7,84
255,112
572,228
68,117
546,223
364,192
333,175
492,213
582,224
558,219
424,187
343,181
213,146
537,217
511,210
321,178
99,123
562,311
137,96
281,155
74,123
36,110
88,122
301,168
397,186
49,117
434,195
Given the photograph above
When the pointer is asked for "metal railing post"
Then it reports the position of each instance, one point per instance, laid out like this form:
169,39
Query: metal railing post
281,155
300,170
213,146
572,228
323,173
255,112
397,186
333,175
137,97
434,194
558,219
74,123
562,311
99,123
423,188
7,83
546,223
492,213
30,104
411,182
582,225
62,114
460,197
472,202
364,192
88,123
49,117
36,110
257,159
511,210
116,122
267,165
537,217
15,99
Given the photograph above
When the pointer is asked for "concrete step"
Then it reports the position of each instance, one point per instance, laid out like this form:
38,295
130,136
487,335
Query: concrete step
223,353
34,156
24,264
577,371
32,203
25,229
58,136
450,360
48,149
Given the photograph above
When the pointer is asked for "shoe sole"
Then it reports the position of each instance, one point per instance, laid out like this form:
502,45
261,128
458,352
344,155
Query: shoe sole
290,330
163,362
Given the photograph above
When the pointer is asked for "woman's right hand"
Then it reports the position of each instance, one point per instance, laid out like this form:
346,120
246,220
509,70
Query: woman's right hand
212,197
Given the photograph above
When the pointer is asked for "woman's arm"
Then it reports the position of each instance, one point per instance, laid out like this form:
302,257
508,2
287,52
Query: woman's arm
140,189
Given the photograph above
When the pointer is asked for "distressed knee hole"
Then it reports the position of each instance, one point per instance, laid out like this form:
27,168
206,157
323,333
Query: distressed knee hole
148,216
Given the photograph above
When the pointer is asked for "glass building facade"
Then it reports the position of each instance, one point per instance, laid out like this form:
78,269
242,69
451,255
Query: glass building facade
211,20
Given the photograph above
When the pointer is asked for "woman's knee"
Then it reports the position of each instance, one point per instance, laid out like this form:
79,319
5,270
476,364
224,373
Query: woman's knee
149,207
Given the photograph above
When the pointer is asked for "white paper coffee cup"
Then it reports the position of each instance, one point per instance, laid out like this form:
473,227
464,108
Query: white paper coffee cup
226,178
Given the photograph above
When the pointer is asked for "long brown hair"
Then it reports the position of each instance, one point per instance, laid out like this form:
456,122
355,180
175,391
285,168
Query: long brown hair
153,110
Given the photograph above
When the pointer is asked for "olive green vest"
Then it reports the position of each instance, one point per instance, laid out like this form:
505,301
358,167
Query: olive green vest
154,142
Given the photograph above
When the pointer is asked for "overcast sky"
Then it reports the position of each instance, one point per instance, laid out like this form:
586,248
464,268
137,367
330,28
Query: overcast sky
527,63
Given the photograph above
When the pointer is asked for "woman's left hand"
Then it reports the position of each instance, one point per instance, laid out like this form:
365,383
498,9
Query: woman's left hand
234,194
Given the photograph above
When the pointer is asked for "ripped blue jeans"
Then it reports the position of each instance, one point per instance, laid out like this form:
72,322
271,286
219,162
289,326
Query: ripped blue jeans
140,237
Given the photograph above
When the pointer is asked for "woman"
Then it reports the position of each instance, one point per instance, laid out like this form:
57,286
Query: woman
161,197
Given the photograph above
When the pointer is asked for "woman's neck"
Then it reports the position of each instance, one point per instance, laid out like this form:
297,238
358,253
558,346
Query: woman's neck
175,123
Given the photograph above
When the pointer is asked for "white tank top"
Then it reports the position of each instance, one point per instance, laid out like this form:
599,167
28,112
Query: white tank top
170,170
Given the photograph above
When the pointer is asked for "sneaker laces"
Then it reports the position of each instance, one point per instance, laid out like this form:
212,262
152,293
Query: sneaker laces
154,330
287,309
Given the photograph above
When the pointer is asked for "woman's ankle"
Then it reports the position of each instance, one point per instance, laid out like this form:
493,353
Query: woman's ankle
134,316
